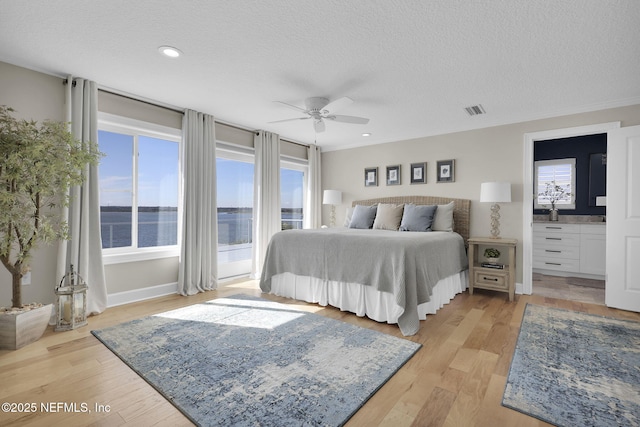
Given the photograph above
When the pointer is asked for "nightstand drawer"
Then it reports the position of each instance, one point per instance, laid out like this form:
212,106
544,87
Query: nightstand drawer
491,280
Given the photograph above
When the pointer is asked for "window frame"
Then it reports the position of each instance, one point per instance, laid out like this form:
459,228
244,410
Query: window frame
554,162
128,126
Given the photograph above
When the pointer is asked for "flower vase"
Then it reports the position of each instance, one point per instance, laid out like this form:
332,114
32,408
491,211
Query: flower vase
553,214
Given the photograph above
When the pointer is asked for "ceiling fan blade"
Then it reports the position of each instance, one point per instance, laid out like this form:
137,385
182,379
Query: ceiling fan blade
290,106
338,104
290,120
348,119
318,125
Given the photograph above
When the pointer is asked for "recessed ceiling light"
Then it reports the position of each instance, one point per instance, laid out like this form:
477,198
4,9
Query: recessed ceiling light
366,134
170,51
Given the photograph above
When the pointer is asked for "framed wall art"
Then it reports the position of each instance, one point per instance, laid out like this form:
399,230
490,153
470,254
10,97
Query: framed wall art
370,177
393,175
419,173
446,170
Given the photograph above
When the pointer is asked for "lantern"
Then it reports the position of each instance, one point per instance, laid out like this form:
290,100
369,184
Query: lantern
71,302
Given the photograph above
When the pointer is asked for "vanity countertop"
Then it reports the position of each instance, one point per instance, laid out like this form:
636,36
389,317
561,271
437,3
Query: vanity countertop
571,219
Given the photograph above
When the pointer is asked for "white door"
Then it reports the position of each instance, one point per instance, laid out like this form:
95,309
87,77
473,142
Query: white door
623,219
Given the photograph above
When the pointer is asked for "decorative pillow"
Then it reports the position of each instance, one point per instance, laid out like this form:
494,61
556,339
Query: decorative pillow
347,218
388,217
417,217
363,216
443,220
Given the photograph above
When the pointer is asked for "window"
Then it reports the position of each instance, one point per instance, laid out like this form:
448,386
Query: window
555,183
139,188
292,193
235,207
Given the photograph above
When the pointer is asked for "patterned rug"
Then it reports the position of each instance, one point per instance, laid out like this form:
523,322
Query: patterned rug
247,361
576,369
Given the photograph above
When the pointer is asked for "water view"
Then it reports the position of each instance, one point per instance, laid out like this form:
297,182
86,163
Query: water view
158,226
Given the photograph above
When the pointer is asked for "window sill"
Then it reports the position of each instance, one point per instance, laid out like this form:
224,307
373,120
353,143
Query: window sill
140,255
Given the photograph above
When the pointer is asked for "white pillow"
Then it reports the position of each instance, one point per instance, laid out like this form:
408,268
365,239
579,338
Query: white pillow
347,218
443,220
388,217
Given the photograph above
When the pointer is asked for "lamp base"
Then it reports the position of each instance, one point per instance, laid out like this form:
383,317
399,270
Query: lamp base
332,216
495,221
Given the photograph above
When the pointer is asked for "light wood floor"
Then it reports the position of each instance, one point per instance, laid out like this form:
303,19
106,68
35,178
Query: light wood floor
569,288
456,379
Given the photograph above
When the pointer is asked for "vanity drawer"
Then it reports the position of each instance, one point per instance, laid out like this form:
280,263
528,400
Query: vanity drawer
556,251
551,240
557,264
557,228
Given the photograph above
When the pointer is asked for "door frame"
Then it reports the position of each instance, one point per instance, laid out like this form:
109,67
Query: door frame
527,188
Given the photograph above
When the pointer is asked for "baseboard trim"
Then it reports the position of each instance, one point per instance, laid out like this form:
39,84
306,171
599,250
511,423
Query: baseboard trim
135,295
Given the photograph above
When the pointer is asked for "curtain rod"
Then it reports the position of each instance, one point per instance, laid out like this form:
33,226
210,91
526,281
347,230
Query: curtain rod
181,111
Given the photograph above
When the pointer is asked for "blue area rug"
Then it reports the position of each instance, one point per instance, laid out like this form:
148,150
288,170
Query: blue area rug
576,369
247,361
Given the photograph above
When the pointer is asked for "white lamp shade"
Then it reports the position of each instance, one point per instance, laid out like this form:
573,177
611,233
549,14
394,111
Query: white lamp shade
332,197
495,192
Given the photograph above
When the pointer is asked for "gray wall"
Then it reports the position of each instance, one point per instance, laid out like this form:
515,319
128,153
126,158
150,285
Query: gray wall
490,154
34,96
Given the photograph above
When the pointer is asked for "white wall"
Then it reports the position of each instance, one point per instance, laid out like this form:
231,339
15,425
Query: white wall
490,154
481,155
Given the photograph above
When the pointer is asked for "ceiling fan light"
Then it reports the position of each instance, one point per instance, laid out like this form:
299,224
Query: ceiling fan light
170,51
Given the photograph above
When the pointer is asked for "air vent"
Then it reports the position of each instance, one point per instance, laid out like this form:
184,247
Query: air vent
474,110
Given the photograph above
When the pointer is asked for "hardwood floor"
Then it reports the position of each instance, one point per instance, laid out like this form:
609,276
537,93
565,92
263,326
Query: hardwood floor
456,379
569,288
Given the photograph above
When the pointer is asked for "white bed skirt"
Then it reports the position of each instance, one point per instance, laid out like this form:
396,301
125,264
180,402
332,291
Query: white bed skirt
363,300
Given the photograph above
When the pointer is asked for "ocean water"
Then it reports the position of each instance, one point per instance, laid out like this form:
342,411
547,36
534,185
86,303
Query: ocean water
161,228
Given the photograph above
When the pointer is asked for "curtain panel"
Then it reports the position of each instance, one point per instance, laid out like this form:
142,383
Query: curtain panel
84,248
198,269
313,208
266,198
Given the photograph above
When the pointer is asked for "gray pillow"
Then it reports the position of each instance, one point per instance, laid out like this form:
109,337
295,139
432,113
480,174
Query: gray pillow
363,216
417,217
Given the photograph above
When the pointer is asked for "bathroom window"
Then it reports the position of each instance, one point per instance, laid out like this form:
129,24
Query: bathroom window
555,182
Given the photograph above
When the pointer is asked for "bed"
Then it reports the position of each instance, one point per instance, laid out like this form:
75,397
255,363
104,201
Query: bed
397,277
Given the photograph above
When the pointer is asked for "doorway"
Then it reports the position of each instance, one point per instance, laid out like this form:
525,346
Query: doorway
528,188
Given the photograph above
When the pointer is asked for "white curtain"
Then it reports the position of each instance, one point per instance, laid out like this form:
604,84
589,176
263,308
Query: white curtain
313,209
84,249
266,196
198,269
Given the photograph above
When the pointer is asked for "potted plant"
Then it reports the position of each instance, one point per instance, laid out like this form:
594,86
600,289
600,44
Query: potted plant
492,254
38,163
553,193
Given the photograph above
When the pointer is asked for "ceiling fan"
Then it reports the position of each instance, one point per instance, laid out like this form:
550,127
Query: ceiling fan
320,109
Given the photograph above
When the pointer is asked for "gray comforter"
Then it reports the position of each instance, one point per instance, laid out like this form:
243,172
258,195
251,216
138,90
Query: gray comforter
406,264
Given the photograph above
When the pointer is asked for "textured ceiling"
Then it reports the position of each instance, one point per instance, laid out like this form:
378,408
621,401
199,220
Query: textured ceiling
410,66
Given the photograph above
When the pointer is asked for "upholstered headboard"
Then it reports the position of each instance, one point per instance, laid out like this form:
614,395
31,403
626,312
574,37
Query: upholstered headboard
461,210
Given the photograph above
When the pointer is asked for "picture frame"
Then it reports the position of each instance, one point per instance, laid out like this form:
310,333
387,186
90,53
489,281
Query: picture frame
393,175
419,173
371,177
446,170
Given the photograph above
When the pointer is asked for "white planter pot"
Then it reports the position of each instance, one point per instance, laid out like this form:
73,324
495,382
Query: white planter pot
18,330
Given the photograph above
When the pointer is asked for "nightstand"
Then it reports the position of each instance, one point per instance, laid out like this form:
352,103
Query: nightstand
494,279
